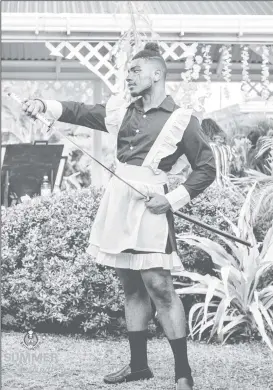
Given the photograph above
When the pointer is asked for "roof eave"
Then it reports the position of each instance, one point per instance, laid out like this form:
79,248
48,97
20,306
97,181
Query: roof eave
208,28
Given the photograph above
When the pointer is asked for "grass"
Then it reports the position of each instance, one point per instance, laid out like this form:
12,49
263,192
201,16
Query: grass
75,363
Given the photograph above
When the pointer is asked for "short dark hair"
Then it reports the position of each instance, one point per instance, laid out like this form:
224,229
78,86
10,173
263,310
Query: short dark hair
151,52
151,49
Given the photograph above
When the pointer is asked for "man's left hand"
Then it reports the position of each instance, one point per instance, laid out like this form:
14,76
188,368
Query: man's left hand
158,204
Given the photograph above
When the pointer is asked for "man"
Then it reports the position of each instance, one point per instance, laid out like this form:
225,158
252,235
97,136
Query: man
133,234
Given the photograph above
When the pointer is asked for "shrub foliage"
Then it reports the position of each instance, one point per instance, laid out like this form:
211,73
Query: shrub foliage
47,276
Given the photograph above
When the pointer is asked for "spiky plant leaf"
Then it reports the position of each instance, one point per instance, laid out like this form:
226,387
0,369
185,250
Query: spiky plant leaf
240,319
220,316
237,253
210,293
218,254
267,251
240,305
254,308
265,144
264,312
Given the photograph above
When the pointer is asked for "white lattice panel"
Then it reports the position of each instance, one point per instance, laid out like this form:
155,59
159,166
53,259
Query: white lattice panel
177,50
253,89
96,62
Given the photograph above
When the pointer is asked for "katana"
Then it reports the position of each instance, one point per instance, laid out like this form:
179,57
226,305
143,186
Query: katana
50,127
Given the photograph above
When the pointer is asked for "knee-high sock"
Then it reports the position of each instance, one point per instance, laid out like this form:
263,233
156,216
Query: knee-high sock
182,367
138,347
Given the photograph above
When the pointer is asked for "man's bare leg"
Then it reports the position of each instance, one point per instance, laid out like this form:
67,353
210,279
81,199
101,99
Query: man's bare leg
169,307
138,309
171,315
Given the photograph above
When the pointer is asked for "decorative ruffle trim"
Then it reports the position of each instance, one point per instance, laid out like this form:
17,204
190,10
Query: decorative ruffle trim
167,140
137,261
115,111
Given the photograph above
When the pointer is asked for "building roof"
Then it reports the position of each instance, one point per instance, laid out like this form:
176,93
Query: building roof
28,25
151,7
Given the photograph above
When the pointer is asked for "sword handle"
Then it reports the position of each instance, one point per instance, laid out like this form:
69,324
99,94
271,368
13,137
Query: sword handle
42,118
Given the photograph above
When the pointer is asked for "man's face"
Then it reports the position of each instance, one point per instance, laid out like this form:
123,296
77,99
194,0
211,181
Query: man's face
141,76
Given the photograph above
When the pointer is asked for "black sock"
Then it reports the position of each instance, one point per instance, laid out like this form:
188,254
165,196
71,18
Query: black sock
138,347
182,367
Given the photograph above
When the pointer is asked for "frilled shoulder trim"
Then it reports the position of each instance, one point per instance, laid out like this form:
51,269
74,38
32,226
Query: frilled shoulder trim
115,110
168,138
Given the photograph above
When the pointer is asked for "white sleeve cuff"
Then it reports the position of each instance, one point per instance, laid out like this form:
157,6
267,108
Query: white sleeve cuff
54,109
178,198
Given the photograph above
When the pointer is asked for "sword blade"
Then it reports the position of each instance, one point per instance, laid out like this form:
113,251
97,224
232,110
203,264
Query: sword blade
212,228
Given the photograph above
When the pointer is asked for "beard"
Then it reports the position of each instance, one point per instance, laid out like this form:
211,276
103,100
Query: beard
140,91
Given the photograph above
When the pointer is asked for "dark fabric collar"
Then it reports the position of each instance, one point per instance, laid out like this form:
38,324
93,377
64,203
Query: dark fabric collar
168,104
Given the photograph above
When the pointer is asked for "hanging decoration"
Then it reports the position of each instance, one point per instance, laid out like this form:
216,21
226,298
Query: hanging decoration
186,76
196,67
192,94
265,73
188,95
131,41
192,64
226,71
245,68
207,68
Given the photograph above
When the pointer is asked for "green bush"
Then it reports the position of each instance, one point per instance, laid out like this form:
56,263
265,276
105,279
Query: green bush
46,274
210,207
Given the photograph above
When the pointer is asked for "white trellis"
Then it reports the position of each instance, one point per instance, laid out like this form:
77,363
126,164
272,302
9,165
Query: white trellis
178,50
93,60
101,65
257,88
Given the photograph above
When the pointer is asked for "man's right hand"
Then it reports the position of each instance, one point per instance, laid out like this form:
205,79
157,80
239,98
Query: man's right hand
33,107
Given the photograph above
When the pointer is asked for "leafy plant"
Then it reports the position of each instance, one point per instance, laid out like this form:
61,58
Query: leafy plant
262,199
240,151
265,151
233,301
47,278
